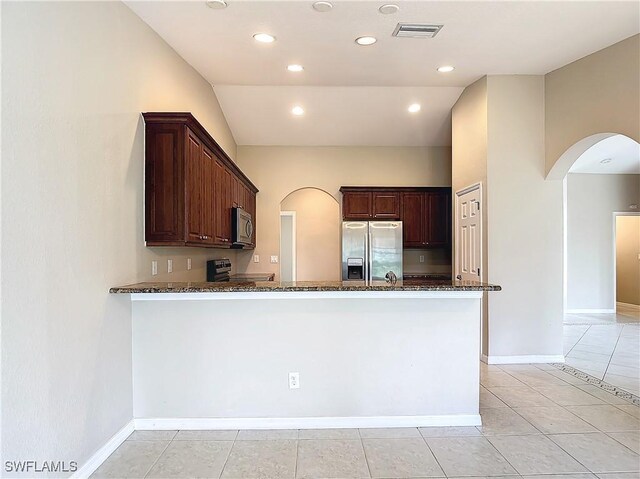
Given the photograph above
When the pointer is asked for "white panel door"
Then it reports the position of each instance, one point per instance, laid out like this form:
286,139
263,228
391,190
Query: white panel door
468,253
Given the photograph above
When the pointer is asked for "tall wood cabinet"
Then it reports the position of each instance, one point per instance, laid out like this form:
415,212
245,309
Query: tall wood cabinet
190,185
425,212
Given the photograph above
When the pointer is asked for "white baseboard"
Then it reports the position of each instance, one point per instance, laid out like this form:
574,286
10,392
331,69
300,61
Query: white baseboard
589,311
307,422
95,461
527,359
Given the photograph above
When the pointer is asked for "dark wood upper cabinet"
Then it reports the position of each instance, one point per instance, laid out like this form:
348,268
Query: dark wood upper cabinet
357,205
438,225
190,184
164,182
413,207
386,206
425,212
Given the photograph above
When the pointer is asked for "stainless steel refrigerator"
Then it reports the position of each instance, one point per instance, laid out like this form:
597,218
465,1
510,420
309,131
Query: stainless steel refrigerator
371,249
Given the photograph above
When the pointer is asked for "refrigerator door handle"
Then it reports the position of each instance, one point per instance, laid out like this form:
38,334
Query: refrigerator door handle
366,256
370,256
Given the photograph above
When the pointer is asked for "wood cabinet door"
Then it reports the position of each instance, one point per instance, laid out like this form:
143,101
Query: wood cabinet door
164,183
194,189
357,205
386,206
438,231
209,194
229,202
413,220
235,190
222,220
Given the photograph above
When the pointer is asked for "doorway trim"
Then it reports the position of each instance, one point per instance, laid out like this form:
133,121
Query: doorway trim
294,268
615,244
459,193
456,259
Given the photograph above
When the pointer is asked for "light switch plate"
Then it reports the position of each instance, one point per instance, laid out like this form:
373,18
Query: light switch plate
256,258
188,264
169,266
274,259
154,268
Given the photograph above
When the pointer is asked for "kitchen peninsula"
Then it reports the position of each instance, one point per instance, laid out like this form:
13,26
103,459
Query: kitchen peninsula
306,355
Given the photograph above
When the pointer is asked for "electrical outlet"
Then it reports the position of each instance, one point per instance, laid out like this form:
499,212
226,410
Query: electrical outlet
274,259
422,258
154,268
256,258
169,266
188,264
294,380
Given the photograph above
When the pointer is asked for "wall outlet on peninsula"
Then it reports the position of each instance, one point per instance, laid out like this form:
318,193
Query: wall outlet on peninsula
294,380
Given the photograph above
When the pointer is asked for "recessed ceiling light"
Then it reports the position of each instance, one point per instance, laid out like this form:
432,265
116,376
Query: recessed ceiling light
446,69
297,110
366,40
264,38
217,4
414,108
295,68
322,6
388,9
605,161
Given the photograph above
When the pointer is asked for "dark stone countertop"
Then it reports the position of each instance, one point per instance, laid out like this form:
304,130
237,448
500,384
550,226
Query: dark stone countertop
276,286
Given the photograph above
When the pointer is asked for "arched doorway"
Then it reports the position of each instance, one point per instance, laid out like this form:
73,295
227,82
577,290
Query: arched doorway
601,184
309,236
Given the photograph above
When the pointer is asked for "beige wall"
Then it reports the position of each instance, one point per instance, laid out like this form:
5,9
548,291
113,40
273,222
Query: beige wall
318,224
599,93
591,202
75,78
469,165
280,170
524,217
628,259
498,139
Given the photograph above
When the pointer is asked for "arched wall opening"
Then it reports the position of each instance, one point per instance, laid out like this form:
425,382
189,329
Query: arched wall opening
601,181
315,249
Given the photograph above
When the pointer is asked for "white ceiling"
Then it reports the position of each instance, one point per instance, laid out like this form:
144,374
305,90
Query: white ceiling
622,150
478,38
261,115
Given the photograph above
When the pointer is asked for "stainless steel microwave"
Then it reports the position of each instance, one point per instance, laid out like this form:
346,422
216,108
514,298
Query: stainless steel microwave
241,226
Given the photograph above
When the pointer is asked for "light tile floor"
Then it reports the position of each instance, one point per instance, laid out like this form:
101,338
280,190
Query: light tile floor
606,346
538,422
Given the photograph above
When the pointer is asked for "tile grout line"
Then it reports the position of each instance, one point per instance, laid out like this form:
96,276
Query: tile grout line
366,459
233,443
620,432
579,339
424,439
295,468
612,353
503,456
571,455
160,455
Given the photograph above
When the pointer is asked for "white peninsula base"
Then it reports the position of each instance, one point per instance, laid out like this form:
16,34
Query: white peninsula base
365,359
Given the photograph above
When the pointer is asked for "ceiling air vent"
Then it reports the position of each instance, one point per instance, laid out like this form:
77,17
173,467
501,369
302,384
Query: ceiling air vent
416,30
